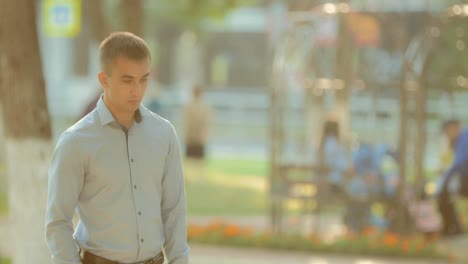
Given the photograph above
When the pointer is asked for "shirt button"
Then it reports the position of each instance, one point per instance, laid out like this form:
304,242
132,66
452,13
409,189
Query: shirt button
134,186
142,240
139,213
132,160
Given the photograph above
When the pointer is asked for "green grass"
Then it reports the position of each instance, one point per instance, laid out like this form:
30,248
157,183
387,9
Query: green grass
239,167
228,187
5,261
206,198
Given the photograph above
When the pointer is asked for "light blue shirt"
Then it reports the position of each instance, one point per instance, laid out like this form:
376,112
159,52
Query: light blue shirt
335,159
127,188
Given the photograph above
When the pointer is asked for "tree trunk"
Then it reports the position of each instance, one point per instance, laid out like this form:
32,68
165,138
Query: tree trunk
167,36
96,20
343,73
132,14
421,121
421,132
402,153
314,120
27,129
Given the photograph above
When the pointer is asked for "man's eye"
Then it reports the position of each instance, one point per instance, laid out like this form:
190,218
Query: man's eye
127,81
144,80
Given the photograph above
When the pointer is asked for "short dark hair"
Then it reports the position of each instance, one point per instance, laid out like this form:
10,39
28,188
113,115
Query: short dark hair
122,44
449,122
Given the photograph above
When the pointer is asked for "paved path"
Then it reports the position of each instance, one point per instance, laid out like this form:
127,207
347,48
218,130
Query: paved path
220,255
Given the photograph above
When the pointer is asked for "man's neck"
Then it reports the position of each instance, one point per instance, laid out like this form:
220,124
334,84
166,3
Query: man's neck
125,121
123,118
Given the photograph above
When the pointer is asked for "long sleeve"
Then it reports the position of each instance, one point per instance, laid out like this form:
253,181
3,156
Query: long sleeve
460,163
173,206
66,176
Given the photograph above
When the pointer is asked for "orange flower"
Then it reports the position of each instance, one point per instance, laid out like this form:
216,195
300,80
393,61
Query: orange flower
314,238
194,231
369,231
405,246
350,236
390,239
214,226
232,231
451,258
247,231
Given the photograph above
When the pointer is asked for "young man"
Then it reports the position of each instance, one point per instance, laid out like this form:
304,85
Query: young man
119,167
459,141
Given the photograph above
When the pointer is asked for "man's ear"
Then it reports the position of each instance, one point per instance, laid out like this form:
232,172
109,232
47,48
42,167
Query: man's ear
103,79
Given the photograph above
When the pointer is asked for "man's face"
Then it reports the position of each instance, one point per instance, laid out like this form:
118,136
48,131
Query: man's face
125,84
452,131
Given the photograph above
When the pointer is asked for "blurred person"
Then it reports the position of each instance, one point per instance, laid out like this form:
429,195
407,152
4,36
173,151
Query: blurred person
446,157
333,156
91,105
387,183
197,118
119,167
360,189
425,216
458,141
387,165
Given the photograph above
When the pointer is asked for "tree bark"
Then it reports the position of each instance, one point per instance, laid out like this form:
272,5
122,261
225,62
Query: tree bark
421,132
132,14
402,152
96,20
421,119
27,129
343,73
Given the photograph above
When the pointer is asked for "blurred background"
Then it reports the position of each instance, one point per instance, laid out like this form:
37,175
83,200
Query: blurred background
274,79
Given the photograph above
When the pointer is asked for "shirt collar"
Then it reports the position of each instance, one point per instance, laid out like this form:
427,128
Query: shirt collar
106,116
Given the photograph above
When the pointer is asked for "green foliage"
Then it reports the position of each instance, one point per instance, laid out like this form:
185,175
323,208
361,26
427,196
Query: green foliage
191,13
448,57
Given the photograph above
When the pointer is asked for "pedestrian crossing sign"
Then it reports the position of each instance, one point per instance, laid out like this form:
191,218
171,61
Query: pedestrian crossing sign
61,18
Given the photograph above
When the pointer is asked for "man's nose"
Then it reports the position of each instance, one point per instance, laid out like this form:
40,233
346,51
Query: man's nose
137,89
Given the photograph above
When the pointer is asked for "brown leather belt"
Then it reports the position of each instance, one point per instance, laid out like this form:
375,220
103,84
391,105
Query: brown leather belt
89,258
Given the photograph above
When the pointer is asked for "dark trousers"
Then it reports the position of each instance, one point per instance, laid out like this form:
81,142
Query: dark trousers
195,151
357,215
450,222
